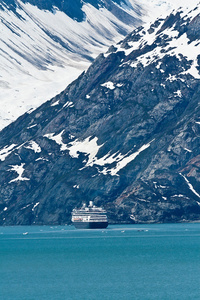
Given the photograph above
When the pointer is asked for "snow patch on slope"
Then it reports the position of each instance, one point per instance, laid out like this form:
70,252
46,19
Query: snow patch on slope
34,146
20,171
109,85
90,147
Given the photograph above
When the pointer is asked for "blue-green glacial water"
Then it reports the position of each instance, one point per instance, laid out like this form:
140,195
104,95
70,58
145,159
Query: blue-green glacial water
121,262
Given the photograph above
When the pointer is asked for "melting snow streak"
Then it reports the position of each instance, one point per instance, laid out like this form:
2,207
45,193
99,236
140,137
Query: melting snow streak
6,151
125,160
190,186
35,206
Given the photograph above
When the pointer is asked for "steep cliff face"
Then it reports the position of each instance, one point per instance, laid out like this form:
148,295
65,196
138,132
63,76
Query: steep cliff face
124,134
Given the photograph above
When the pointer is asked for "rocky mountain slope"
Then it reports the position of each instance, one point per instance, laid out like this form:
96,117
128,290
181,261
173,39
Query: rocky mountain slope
124,134
45,45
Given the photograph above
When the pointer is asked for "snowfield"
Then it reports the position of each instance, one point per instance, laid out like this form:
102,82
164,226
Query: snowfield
41,52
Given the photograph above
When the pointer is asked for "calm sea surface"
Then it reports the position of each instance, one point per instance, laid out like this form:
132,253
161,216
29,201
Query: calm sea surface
120,262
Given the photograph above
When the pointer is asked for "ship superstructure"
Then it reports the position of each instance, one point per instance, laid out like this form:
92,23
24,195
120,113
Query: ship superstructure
89,217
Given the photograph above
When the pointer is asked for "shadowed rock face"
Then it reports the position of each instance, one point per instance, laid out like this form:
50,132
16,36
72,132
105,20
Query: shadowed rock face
124,134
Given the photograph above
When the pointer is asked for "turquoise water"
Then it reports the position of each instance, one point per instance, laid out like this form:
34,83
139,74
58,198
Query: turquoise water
120,262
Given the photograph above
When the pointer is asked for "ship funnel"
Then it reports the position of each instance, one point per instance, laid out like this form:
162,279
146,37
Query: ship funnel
91,203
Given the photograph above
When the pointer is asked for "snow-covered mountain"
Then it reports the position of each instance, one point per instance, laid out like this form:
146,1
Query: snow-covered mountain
45,45
124,134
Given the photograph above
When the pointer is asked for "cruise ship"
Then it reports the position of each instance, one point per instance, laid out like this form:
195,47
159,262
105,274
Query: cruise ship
89,217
